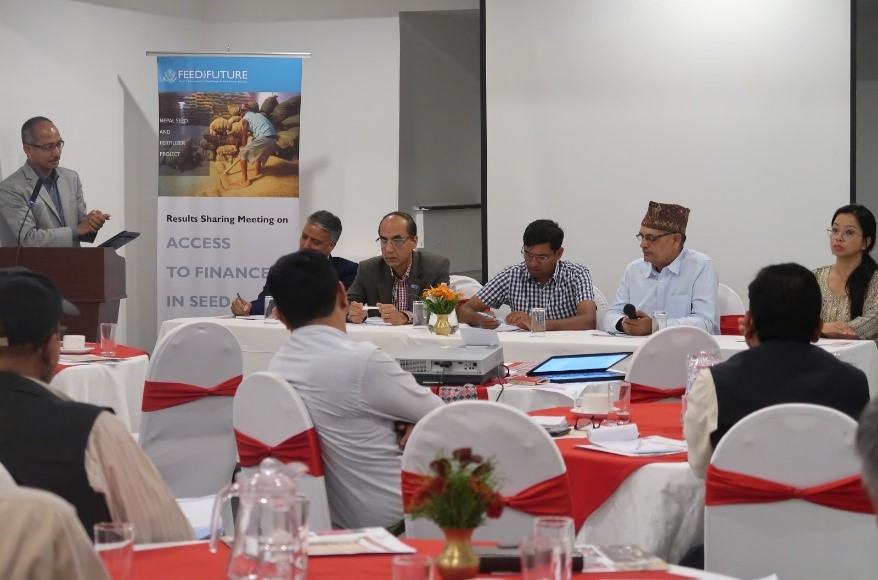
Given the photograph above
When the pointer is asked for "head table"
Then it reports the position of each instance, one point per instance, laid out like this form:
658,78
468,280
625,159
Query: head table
260,340
195,561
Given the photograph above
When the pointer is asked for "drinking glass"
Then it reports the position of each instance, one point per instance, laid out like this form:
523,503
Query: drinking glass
538,322
659,320
540,559
270,314
695,363
619,393
108,338
419,314
114,543
411,567
559,532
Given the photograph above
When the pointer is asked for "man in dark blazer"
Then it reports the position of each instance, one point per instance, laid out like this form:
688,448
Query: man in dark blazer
321,232
58,217
781,365
398,277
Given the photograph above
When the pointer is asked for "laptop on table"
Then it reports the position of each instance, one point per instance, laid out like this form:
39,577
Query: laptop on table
580,368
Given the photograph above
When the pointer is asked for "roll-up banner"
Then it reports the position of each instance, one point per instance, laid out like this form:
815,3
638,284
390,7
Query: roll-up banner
228,186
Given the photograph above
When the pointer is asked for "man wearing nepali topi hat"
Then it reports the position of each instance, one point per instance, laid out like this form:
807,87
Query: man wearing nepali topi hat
669,278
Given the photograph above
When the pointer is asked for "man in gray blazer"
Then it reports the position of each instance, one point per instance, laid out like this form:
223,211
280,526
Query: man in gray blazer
396,278
58,217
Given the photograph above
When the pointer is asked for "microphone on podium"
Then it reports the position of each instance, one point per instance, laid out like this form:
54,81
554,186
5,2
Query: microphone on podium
630,311
30,205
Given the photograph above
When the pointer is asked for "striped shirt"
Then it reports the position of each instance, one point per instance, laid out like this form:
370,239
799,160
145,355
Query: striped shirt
568,286
400,291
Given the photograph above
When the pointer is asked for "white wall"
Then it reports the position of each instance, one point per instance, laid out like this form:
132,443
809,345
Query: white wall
83,65
738,109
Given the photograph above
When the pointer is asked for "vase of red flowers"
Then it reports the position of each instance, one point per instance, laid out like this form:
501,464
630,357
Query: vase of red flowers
457,495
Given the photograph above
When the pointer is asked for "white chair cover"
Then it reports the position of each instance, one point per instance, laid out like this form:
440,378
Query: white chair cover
799,445
192,445
469,287
728,301
269,410
523,452
661,361
601,301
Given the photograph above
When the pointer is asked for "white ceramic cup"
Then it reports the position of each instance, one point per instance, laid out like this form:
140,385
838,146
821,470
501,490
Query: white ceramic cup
73,342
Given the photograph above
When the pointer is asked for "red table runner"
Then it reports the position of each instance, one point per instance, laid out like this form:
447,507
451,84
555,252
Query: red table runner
595,476
122,351
196,562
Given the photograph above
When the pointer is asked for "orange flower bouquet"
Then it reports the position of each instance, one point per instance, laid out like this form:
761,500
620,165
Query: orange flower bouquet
441,299
459,492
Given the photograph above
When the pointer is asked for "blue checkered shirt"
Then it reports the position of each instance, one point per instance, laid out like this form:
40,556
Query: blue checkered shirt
568,286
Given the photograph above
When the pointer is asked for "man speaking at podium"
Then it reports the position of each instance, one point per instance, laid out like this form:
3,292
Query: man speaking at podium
58,216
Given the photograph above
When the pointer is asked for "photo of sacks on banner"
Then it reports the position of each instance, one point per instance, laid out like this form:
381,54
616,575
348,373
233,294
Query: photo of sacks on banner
229,144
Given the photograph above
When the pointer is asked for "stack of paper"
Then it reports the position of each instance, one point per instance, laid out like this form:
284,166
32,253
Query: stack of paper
652,445
362,541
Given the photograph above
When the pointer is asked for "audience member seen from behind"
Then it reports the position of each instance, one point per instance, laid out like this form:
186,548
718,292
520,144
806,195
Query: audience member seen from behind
541,280
43,538
669,278
58,217
780,365
398,277
867,447
355,393
850,286
321,233
77,451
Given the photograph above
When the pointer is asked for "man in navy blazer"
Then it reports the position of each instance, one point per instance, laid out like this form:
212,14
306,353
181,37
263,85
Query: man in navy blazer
58,217
398,277
321,232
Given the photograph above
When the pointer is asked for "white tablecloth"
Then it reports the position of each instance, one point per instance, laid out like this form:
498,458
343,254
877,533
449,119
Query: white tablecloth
115,385
259,341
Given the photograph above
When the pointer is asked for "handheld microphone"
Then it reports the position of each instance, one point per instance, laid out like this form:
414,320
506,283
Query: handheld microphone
30,205
630,311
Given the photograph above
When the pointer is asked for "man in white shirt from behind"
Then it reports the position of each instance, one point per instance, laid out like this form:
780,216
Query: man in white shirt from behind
356,394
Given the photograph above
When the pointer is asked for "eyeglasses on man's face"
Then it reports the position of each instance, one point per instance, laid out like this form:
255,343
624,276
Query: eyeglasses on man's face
844,234
650,238
397,242
49,147
541,258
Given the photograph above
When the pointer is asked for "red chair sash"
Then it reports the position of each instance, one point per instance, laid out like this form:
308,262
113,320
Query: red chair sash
728,324
303,447
546,498
727,487
159,395
645,394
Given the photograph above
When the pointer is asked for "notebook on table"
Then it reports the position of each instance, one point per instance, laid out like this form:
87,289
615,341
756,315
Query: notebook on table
580,368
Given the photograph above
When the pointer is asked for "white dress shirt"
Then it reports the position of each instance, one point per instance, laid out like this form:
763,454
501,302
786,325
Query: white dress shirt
355,393
686,289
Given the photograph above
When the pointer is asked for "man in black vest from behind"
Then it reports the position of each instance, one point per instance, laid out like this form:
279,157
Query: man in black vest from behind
78,451
781,365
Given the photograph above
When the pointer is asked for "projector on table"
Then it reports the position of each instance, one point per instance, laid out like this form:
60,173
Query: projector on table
453,365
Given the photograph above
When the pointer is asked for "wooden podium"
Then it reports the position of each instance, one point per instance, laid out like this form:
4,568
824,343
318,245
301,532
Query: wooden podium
91,278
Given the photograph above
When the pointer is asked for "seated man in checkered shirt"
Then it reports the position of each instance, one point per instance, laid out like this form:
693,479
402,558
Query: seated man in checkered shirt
542,280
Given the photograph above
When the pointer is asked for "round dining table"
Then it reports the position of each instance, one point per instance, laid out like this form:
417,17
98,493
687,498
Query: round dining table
195,561
116,383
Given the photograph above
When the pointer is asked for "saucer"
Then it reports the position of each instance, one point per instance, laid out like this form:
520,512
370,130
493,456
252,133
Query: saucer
85,350
578,413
